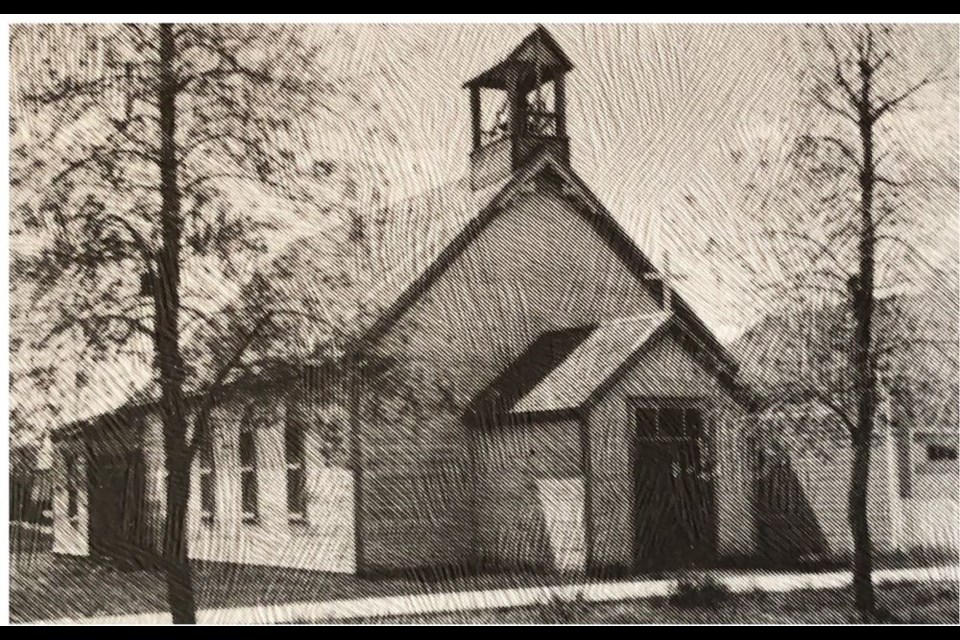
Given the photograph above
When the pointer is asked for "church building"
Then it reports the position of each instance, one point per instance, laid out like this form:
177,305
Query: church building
536,398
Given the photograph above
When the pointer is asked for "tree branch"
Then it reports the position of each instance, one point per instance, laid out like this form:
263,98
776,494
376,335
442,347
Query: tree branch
838,76
909,247
70,89
829,106
228,64
888,105
844,149
209,397
97,156
891,346
141,38
824,247
248,143
90,322
138,239
837,409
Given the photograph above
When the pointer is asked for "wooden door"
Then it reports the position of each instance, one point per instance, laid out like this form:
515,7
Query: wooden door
117,494
673,489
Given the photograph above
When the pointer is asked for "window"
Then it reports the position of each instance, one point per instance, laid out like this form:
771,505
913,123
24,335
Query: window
248,474
73,496
295,452
208,500
941,453
679,433
671,423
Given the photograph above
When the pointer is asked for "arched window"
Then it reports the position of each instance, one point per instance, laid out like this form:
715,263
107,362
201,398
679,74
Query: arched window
295,455
208,500
249,498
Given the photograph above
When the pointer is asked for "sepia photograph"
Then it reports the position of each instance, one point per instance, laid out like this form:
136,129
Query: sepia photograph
483,320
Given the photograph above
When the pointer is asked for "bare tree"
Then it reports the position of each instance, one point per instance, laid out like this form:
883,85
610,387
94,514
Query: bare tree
154,152
841,209
856,91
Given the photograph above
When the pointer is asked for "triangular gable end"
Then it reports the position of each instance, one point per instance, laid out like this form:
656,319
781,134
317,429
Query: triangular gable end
634,258
549,170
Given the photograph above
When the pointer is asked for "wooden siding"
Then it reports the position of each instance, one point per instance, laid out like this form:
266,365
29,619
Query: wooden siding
930,509
532,269
530,495
323,541
70,537
665,369
803,500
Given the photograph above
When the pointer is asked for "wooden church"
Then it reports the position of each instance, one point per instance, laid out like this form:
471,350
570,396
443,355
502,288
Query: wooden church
553,405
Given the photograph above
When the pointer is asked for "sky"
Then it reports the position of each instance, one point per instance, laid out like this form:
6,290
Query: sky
656,113
661,118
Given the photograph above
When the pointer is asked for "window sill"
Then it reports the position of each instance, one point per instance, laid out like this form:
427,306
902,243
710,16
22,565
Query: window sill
250,519
298,520
207,519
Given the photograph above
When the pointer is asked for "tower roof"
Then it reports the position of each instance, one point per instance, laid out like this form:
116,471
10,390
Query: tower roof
538,57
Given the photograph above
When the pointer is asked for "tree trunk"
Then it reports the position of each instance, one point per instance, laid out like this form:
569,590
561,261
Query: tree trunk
168,355
864,361
179,576
863,594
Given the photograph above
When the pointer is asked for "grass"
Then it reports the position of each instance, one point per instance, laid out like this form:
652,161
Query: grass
44,586
699,591
913,603
559,610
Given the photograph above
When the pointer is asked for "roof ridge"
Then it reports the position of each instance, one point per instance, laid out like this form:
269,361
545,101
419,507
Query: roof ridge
640,316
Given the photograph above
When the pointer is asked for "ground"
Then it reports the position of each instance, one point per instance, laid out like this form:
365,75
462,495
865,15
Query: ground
914,603
44,586
56,587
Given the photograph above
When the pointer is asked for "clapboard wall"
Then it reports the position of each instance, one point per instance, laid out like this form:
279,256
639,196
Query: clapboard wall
537,266
530,496
323,541
70,536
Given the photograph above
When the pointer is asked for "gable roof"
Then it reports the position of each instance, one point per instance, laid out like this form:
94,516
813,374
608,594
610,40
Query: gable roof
563,372
538,361
574,380
593,212
441,224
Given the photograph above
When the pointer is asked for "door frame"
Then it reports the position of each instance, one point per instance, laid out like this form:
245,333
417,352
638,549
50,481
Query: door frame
707,408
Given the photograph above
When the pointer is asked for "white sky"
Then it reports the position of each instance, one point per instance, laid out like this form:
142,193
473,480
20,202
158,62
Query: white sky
654,114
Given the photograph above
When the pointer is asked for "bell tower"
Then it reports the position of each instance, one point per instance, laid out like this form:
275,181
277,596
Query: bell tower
518,107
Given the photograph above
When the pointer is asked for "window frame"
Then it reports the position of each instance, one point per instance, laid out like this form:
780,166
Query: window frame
937,453
207,475
925,459
249,471
70,485
295,468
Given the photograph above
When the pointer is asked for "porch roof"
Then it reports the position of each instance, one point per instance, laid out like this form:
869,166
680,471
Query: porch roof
585,370
562,370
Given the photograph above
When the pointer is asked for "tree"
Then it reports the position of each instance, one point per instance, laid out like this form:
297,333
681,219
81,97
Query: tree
843,225
152,170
